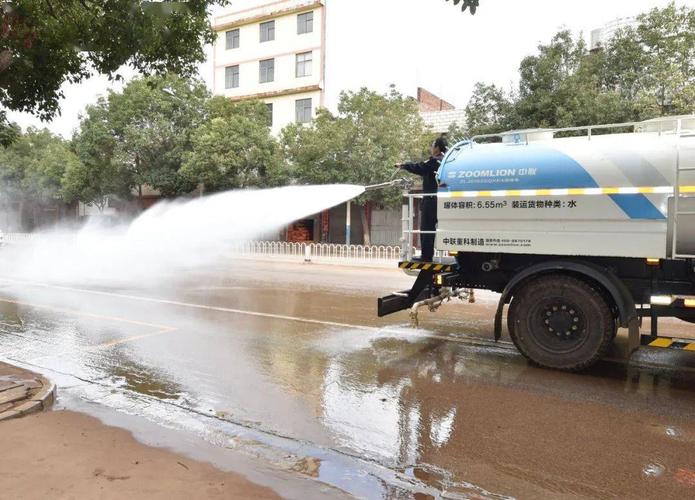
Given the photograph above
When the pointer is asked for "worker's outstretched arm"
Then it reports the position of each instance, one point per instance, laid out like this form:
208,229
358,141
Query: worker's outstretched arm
423,168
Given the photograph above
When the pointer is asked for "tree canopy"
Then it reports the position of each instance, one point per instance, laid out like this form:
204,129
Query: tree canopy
31,172
472,5
45,43
142,134
358,145
642,72
234,148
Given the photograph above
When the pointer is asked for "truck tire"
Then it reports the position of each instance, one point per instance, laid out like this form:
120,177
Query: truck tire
561,322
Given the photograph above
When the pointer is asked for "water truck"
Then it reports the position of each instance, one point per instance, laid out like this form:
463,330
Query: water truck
581,230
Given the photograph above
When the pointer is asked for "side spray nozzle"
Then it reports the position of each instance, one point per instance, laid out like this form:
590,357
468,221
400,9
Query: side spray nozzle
403,183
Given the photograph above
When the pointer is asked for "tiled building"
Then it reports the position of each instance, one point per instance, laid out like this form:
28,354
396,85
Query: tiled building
274,52
298,55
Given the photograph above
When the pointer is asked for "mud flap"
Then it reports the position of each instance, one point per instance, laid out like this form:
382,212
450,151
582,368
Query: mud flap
421,290
634,338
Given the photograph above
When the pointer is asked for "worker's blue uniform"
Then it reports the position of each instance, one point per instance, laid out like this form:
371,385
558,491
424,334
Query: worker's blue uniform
428,208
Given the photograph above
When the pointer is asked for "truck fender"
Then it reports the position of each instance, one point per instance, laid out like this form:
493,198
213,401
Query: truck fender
627,312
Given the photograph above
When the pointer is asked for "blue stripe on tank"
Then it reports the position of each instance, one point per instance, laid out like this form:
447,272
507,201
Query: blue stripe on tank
513,167
529,167
637,206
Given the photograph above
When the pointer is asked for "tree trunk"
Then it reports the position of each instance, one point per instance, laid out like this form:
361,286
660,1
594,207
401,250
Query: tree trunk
20,215
366,229
137,169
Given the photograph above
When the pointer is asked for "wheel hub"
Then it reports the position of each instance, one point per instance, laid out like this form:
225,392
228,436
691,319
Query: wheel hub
561,320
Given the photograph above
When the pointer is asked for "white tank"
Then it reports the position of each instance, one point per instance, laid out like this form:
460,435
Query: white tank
596,195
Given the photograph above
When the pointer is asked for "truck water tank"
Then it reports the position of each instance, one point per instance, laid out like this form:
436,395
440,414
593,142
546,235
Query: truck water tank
597,195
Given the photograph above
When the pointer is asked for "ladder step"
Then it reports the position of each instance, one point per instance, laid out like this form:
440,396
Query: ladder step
685,213
685,169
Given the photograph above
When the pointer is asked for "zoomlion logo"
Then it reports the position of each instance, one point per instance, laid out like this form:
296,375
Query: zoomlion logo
500,172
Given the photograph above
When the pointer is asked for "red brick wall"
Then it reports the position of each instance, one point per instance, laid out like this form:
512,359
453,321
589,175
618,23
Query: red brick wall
430,102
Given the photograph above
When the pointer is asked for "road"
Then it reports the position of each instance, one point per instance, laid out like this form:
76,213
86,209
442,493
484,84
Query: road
286,365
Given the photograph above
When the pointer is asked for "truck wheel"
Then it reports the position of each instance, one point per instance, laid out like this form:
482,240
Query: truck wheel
561,322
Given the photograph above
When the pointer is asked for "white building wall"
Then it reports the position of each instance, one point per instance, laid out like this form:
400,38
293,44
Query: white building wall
346,55
601,36
286,88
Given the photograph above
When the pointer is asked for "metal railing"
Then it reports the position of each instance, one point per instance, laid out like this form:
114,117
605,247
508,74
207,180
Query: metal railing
326,252
20,237
408,245
287,249
678,195
584,128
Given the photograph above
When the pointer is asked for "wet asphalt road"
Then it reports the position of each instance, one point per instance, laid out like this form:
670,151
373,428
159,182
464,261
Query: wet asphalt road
287,363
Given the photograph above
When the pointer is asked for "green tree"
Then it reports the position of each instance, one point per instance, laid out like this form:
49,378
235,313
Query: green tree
545,93
234,148
97,175
654,62
31,170
359,145
642,72
488,110
472,5
45,43
143,133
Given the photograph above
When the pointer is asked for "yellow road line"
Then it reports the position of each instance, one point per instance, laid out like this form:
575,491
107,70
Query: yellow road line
160,328
376,329
136,337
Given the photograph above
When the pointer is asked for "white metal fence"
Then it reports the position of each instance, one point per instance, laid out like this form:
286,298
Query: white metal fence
315,252
20,237
320,252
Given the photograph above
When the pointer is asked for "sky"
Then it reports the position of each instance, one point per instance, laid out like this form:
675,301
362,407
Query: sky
450,50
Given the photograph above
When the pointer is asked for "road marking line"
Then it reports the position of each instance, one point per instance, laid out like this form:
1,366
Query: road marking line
160,328
136,337
466,340
194,306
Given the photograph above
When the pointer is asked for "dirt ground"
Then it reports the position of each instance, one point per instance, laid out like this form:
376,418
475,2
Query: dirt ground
62,454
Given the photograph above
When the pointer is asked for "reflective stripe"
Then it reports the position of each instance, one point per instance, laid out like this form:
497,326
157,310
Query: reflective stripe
662,342
564,192
426,266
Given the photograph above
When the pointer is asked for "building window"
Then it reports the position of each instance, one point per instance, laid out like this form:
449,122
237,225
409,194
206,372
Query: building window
232,39
267,71
269,105
303,110
231,77
304,63
268,31
305,23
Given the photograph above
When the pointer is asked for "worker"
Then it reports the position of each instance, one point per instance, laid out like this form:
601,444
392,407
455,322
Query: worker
428,208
